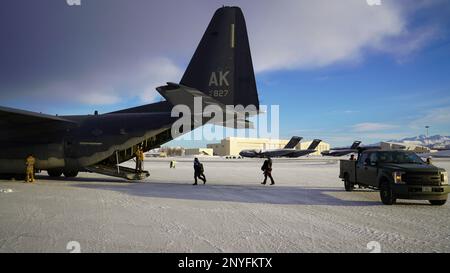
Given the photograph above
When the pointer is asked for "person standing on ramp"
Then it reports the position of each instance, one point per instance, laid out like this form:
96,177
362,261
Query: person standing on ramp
139,154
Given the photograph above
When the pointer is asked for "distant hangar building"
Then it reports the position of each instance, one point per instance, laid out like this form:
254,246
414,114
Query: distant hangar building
198,151
233,145
404,146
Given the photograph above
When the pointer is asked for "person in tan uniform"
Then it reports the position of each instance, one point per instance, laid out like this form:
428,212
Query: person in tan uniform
137,157
141,158
30,161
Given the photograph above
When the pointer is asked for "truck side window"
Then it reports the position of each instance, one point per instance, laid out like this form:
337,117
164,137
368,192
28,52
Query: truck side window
362,158
373,158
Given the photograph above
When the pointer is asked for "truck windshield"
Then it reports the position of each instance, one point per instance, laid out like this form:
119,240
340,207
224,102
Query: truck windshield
399,157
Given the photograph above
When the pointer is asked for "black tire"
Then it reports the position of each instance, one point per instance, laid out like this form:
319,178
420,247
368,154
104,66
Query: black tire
386,195
437,202
54,172
70,173
347,184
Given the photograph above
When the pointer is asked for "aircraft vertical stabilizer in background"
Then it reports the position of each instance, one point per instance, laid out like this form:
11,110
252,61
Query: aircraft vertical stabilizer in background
293,142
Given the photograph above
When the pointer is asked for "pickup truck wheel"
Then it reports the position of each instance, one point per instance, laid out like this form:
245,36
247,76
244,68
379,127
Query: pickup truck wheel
347,184
386,194
437,202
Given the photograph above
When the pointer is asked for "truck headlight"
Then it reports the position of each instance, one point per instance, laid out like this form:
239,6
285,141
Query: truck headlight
444,178
398,177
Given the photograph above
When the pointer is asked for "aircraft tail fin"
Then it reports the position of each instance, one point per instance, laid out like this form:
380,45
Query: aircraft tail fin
293,142
221,66
355,144
314,144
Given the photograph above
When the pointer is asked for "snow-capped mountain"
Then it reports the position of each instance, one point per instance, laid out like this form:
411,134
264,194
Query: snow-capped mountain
436,141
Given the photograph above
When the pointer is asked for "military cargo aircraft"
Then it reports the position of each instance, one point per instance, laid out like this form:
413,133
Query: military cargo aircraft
220,73
342,151
288,151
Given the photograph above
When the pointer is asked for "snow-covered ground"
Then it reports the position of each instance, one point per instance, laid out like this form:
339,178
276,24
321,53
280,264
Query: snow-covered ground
306,211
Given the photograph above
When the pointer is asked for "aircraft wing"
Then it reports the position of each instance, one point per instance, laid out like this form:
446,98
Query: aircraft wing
11,118
300,153
276,153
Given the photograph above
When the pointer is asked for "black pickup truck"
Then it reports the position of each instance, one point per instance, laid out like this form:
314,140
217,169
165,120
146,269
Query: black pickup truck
397,174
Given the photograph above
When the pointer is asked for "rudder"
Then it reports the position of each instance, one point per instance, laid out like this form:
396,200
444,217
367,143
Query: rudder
221,66
314,144
355,144
293,142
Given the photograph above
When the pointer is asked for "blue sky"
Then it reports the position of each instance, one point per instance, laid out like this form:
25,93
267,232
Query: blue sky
339,70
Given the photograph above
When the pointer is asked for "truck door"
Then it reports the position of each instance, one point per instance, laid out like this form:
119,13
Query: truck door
366,169
372,170
361,168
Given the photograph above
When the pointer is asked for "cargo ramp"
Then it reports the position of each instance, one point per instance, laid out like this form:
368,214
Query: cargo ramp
118,171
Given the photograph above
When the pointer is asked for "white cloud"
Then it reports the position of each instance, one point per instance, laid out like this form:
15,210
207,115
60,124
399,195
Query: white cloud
311,34
371,126
99,99
157,73
109,87
437,116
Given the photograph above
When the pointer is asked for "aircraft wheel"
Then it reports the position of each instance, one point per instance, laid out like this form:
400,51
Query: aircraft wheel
54,172
70,173
437,202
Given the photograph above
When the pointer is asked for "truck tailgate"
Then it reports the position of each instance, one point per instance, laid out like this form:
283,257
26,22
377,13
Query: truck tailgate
349,167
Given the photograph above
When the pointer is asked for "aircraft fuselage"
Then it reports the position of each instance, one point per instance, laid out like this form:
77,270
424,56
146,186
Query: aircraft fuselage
91,139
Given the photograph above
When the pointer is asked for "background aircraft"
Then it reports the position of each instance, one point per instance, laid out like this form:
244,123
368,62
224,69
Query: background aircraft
342,151
288,151
438,154
98,143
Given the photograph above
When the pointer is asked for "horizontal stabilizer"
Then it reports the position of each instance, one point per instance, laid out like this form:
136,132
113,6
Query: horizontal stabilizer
178,94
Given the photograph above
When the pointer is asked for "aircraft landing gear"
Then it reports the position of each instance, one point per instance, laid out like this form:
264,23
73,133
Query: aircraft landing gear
55,172
70,173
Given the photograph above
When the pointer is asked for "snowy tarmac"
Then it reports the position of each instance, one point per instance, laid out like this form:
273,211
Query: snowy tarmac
306,211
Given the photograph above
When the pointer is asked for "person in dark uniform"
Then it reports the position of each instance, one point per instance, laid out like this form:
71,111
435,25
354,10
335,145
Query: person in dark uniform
352,157
267,169
199,171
